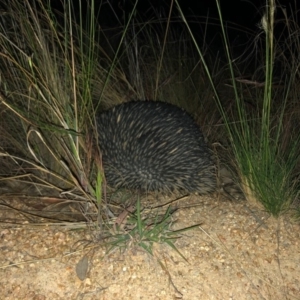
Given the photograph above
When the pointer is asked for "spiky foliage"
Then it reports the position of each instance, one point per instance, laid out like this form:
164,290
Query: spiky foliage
47,76
266,154
145,232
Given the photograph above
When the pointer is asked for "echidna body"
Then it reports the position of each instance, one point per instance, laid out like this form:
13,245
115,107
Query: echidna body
154,146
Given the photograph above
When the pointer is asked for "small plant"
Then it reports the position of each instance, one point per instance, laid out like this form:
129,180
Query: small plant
145,231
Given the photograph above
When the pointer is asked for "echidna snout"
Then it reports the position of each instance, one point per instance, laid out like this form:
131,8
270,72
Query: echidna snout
154,146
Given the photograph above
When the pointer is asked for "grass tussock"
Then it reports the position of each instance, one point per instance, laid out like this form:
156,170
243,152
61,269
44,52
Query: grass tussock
260,125
47,77
267,154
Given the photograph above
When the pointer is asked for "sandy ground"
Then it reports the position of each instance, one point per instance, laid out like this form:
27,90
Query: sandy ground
238,252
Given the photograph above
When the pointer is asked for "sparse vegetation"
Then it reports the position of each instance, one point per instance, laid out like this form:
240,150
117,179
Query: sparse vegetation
144,231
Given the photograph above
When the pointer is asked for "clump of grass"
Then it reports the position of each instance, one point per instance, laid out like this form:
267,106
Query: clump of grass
266,165
47,105
267,155
145,231
54,78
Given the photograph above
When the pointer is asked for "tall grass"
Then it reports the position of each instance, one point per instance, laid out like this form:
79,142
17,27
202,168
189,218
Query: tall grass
266,154
266,166
48,68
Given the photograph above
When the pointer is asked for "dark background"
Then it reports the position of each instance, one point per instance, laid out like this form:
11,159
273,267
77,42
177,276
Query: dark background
241,17
243,12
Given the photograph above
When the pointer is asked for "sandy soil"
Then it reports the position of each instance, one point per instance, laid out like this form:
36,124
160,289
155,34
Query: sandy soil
238,252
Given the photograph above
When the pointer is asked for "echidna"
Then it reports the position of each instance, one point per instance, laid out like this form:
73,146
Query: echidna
154,146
